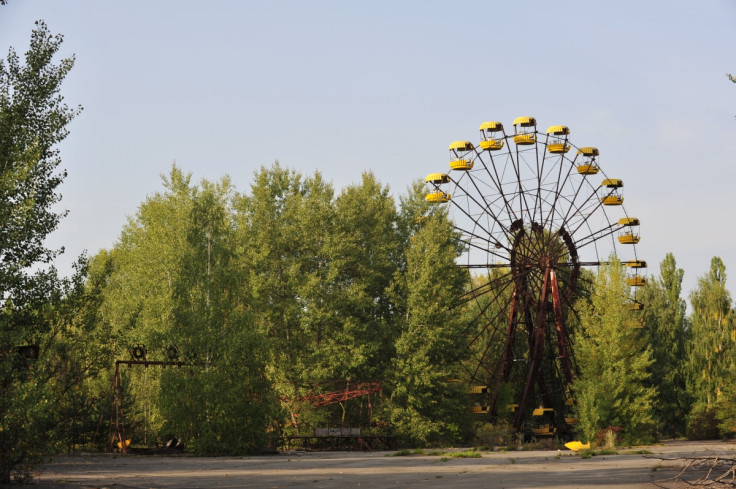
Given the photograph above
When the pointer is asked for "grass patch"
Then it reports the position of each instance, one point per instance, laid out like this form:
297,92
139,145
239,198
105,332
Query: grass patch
466,454
593,453
406,452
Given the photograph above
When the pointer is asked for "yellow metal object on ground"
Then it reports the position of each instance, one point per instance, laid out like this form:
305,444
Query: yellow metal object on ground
576,446
120,444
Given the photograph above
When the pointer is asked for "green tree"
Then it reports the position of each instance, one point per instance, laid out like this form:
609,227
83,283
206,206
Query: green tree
33,120
667,330
281,228
711,341
614,362
175,283
426,406
363,252
222,406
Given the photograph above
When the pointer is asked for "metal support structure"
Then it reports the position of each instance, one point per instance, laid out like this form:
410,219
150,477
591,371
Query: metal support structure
117,415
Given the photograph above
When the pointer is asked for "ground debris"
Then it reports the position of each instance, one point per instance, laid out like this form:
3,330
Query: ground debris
713,472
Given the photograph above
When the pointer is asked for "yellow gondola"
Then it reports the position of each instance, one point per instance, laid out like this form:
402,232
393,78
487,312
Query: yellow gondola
437,178
558,144
634,305
460,157
589,165
490,140
437,197
629,235
613,196
546,428
525,130
636,281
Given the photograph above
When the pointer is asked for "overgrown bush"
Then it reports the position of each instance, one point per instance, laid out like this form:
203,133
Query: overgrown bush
494,436
609,437
703,425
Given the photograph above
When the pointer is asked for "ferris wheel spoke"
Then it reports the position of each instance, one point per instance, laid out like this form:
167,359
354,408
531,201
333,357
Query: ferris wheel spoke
494,177
471,243
600,234
598,206
561,184
524,205
499,284
485,207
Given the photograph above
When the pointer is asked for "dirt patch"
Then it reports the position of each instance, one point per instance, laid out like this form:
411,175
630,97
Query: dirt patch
630,468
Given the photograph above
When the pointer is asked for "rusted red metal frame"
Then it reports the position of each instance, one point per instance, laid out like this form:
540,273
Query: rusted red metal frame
560,327
538,350
361,389
117,387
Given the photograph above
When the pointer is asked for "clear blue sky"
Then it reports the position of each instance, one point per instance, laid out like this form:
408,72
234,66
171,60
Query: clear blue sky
342,87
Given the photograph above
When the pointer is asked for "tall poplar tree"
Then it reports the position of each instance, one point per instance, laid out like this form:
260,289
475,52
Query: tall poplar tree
614,360
713,337
427,408
667,330
33,120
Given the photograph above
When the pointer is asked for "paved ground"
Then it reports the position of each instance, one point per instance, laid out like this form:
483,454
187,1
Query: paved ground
333,470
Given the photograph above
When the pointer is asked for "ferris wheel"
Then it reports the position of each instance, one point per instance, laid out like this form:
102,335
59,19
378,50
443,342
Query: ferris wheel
536,215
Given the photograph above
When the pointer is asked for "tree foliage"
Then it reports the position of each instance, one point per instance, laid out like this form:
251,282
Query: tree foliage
427,402
710,362
713,336
35,369
667,331
614,361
